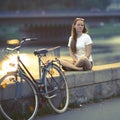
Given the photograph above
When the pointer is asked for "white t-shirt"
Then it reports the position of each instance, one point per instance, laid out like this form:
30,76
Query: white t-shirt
82,41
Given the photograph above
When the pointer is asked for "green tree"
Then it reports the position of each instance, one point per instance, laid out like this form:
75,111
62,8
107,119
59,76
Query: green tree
14,5
89,4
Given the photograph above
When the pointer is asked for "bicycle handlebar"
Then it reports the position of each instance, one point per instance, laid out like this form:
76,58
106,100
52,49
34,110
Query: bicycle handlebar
13,49
23,41
53,48
27,39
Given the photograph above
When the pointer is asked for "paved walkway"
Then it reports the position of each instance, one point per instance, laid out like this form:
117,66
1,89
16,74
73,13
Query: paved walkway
105,110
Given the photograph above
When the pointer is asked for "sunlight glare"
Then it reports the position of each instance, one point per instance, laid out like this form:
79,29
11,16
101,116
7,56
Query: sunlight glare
13,41
11,63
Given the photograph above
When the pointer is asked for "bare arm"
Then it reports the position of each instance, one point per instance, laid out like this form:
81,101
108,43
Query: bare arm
88,50
72,55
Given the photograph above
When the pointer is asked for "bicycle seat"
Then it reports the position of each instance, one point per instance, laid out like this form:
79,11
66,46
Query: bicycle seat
41,51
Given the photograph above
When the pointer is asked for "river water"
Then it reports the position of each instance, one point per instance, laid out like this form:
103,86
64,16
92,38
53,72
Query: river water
105,51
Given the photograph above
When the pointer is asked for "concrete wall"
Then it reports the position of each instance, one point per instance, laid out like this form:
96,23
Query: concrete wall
102,82
85,86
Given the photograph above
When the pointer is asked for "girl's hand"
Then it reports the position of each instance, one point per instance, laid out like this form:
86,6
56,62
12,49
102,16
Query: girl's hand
73,62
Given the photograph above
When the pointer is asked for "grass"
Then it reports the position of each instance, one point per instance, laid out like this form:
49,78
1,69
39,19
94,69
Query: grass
9,32
101,30
105,41
105,29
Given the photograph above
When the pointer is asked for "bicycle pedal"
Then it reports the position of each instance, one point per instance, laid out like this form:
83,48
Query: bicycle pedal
49,97
41,85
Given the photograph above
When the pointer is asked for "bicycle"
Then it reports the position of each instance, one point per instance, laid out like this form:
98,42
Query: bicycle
21,93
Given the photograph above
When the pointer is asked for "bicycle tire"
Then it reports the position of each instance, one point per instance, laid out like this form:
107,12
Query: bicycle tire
18,98
56,88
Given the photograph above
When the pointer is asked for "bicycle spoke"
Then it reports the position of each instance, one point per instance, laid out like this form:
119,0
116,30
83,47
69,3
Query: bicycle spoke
17,99
56,89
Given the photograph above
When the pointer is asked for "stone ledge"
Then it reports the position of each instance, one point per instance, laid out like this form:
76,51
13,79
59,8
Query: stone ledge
84,86
102,82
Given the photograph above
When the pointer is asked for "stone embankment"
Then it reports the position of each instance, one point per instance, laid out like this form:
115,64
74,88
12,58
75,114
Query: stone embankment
102,82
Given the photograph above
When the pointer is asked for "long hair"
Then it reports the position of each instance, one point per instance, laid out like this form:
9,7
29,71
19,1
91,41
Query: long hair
74,34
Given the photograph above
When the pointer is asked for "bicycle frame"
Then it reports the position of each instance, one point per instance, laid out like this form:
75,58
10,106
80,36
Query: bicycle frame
51,86
22,69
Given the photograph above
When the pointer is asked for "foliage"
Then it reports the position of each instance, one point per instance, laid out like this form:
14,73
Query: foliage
106,29
101,31
14,5
89,4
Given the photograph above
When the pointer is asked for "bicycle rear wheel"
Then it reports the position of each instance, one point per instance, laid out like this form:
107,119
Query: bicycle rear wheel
56,88
18,98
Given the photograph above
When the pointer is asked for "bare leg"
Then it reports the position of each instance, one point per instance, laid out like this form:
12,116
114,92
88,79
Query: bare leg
85,63
69,64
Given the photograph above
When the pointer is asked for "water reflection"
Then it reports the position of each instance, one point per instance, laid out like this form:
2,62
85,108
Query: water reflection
105,51
10,63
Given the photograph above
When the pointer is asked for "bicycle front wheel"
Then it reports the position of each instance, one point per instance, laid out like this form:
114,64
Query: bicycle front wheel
18,98
56,88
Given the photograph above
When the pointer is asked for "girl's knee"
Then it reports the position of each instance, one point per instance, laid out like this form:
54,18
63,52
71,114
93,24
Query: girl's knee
86,68
83,60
